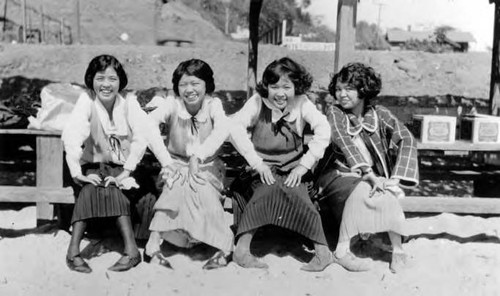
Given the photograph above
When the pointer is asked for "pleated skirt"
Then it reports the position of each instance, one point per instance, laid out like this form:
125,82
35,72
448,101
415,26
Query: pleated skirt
99,201
256,204
348,199
185,217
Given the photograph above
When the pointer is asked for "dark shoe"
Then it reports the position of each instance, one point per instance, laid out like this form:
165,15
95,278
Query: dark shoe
82,267
130,263
217,261
157,258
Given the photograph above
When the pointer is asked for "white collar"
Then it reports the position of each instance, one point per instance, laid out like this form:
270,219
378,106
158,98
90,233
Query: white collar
292,108
119,126
202,115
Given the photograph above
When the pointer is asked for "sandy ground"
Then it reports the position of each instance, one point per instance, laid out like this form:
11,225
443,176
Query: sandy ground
449,255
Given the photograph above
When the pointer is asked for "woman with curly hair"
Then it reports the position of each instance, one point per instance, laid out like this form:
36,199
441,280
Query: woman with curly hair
371,156
274,192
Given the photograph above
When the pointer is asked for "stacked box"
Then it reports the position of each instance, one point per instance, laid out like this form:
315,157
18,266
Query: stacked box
480,128
434,128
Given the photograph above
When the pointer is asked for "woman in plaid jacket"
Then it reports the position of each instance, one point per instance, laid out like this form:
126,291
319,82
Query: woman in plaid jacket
371,156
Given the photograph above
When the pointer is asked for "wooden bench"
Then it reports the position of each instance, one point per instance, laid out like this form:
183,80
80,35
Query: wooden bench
49,188
49,175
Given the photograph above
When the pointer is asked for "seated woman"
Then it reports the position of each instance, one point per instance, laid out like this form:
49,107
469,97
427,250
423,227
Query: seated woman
275,194
372,155
189,210
110,128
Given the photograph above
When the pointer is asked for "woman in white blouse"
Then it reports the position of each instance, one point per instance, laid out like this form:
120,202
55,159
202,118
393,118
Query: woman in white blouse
189,210
110,129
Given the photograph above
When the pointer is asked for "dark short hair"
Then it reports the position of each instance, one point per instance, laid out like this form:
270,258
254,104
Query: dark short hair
101,63
197,68
360,76
300,77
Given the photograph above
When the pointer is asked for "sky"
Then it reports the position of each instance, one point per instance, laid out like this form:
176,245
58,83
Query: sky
474,16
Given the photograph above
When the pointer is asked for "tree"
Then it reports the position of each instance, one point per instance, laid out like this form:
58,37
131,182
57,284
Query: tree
370,37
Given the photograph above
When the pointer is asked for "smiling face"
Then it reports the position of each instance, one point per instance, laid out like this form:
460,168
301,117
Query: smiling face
281,92
348,97
106,84
192,90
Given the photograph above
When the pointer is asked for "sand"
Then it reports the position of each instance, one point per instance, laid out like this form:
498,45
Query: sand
449,255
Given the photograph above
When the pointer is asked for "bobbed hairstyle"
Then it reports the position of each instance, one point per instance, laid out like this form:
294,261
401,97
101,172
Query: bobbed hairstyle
197,68
360,76
101,63
300,77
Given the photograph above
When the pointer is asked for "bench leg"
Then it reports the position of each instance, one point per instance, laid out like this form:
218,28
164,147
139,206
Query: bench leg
49,171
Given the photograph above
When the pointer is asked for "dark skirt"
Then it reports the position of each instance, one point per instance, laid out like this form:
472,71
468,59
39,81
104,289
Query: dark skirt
99,201
333,190
256,204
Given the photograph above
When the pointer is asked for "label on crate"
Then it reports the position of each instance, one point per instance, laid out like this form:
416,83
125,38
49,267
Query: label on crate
487,132
439,131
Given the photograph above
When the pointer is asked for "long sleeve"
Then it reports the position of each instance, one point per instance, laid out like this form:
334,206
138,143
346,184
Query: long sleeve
138,122
219,133
341,139
240,122
321,138
155,140
75,132
406,166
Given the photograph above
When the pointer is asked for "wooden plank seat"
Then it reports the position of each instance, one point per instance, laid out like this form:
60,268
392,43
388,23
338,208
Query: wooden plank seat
49,188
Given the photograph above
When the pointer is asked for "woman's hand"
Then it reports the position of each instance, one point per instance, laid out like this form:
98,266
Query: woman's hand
295,176
116,180
375,182
90,178
194,176
170,175
266,175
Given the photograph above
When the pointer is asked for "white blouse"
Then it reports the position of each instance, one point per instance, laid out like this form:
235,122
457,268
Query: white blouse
77,130
301,110
211,109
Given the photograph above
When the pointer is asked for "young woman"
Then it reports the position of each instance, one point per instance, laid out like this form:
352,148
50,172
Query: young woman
275,194
110,130
189,210
372,155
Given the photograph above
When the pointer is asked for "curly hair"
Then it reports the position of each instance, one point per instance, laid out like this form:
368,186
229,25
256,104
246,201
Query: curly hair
360,76
197,68
101,63
300,77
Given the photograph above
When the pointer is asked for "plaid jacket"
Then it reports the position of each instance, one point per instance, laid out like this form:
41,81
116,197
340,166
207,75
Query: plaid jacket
395,146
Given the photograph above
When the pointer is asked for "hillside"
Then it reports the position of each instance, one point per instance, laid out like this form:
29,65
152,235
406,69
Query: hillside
404,73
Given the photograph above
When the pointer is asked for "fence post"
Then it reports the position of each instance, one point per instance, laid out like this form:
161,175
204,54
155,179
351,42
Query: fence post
77,21
24,20
253,41
61,30
42,23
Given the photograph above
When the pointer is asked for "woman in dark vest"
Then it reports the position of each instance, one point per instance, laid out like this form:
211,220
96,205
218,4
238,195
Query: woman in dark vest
275,194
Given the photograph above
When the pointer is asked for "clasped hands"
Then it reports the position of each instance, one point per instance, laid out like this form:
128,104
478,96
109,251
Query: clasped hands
122,181
380,184
293,179
171,174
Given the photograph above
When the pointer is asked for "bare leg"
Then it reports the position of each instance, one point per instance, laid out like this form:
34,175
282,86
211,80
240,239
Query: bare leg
76,238
321,259
399,258
127,232
73,259
242,255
